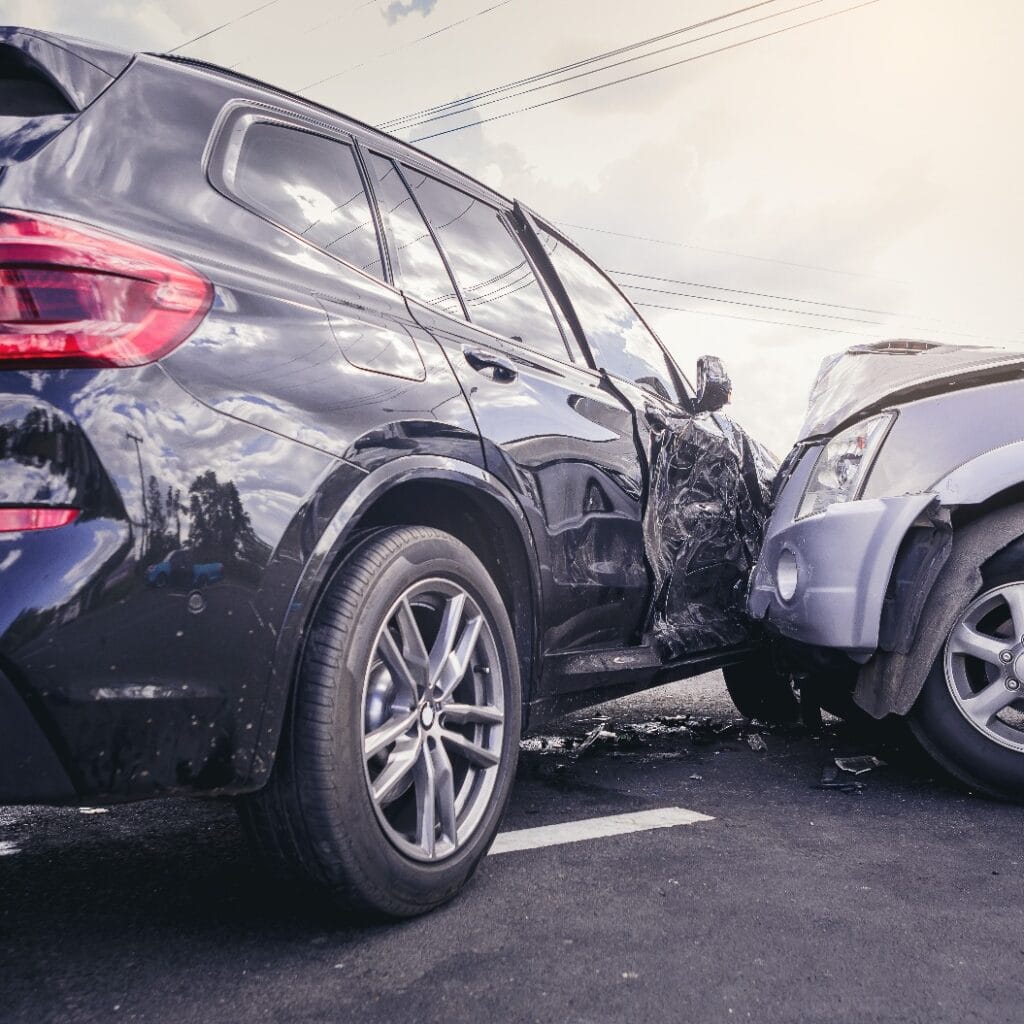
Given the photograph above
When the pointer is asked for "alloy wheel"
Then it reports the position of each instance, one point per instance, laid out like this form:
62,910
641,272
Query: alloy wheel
433,720
984,665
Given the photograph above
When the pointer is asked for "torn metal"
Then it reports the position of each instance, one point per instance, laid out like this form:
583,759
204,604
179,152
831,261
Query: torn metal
707,503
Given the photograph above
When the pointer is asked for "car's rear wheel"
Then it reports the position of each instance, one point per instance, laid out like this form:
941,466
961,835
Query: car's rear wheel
400,750
970,714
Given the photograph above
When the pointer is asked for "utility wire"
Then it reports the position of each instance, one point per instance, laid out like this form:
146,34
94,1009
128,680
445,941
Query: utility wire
939,325
724,252
756,305
227,24
312,28
404,46
616,64
759,295
757,320
508,86
643,74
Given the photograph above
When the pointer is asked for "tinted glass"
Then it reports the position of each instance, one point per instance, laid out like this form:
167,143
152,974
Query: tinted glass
618,339
420,268
312,186
497,283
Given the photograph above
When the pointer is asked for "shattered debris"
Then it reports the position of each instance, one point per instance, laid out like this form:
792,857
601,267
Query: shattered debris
859,765
591,738
756,742
830,780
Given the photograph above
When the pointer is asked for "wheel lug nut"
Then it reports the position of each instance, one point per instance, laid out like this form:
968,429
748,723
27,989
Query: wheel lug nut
1012,684
1006,656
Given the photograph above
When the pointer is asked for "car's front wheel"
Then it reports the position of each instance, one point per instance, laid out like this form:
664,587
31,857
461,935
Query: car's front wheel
970,714
401,745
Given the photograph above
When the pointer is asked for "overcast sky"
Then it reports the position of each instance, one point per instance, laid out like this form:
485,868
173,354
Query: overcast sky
859,174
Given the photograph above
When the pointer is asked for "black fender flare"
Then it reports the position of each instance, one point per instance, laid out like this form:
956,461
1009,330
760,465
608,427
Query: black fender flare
323,559
890,682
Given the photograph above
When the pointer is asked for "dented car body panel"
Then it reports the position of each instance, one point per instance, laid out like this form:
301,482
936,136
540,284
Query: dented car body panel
855,577
707,503
150,645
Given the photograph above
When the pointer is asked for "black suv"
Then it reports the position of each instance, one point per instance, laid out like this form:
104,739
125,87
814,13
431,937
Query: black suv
325,468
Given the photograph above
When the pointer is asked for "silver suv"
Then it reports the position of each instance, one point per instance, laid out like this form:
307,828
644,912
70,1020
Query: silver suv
893,564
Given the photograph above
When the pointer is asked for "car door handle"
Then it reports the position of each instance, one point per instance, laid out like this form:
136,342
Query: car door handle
498,368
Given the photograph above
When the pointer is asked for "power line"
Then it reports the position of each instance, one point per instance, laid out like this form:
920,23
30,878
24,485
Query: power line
756,320
617,64
404,46
724,252
780,323
312,28
643,74
468,100
939,325
227,24
755,305
759,295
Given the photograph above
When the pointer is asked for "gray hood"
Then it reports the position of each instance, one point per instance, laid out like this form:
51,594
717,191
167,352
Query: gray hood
866,378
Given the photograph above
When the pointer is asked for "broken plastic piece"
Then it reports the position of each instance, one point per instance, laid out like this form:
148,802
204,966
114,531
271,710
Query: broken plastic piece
756,742
591,738
859,765
830,780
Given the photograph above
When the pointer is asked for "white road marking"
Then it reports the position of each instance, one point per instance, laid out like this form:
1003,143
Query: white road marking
595,828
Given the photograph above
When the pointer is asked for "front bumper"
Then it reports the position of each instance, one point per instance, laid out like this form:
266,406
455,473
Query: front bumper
843,559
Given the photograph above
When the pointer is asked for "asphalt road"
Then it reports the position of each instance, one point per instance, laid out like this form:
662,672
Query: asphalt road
901,901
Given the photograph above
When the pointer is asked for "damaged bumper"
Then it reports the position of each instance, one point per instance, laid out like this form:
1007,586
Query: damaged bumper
822,580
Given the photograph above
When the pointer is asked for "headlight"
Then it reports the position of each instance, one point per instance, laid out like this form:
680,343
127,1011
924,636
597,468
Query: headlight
843,465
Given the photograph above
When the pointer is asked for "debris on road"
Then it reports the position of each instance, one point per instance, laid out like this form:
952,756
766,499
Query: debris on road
859,765
830,779
756,742
591,738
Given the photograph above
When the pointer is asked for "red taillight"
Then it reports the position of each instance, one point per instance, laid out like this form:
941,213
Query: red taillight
74,296
14,520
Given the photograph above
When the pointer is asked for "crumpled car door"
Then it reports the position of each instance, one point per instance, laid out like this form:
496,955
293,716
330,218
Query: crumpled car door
705,506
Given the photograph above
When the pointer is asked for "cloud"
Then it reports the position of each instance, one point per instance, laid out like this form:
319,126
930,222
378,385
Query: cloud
396,10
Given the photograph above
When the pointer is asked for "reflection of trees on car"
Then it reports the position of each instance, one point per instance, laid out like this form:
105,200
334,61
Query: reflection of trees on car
217,529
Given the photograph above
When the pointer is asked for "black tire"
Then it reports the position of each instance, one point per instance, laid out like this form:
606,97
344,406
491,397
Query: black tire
760,689
316,820
944,733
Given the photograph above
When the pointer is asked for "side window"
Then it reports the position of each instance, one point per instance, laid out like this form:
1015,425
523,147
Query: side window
421,269
497,282
618,338
312,186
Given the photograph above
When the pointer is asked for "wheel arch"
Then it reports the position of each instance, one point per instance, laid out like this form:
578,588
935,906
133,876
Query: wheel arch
415,490
989,480
891,681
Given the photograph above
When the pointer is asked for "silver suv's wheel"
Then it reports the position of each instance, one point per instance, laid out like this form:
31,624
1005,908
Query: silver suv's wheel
984,665
401,744
970,714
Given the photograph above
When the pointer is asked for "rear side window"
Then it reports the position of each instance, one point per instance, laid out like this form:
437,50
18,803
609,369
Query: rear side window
312,186
26,92
498,285
619,340
421,269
